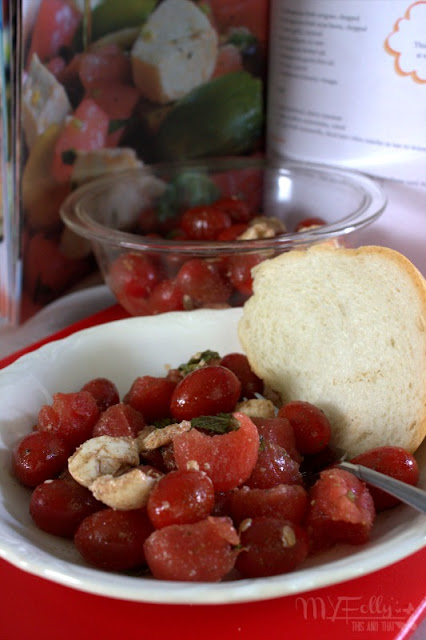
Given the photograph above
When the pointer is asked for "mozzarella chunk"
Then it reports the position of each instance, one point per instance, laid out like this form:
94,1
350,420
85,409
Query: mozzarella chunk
44,101
128,491
175,52
103,455
263,227
152,438
261,408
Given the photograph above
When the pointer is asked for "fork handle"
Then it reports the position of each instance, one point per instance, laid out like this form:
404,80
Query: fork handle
412,496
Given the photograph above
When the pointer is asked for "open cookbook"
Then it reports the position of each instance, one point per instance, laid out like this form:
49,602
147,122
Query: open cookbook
98,85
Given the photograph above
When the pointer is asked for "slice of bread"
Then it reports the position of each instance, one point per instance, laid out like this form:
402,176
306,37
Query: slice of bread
344,329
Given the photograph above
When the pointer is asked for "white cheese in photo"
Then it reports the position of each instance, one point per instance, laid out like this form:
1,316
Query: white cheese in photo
44,101
96,163
175,52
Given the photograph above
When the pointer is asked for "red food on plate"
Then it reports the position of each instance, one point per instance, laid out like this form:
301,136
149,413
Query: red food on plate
311,427
271,546
119,420
71,416
274,466
104,391
341,510
279,431
114,540
282,501
204,392
59,506
181,497
239,364
228,459
39,456
204,551
392,461
151,395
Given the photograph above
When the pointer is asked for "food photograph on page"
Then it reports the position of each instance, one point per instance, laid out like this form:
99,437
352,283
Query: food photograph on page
107,87
213,305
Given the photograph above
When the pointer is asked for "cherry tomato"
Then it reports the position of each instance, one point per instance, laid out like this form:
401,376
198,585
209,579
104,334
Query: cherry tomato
282,501
239,268
204,222
71,416
166,296
280,432
394,462
151,396
232,233
274,466
114,540
39,456
59,506
119,420
202,282
104,391
239,364
180,497
341,509
203,551
132,277
271,546
311,426
237,209
228,459
206,391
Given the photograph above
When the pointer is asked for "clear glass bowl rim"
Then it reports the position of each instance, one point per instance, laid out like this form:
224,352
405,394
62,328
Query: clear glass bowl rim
75,212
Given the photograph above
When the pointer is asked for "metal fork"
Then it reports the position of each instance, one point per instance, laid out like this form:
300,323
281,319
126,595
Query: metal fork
412,496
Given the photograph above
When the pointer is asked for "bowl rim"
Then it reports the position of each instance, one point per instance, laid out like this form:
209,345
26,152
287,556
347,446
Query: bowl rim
75,215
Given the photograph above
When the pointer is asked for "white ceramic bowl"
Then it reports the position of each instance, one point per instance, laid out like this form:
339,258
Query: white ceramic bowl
122,350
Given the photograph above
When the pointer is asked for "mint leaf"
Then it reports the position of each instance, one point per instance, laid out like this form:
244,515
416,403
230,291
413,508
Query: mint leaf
222,423
199,360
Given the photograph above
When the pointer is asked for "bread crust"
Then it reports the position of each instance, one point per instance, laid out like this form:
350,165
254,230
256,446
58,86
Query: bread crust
361,360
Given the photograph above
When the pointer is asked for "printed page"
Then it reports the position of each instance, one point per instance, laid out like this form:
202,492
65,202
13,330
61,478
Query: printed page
347,85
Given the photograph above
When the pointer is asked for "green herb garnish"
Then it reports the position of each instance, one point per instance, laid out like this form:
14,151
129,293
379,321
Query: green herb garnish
222,423
198,360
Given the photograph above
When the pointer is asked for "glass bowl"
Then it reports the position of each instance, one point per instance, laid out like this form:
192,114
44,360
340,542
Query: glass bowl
157,257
